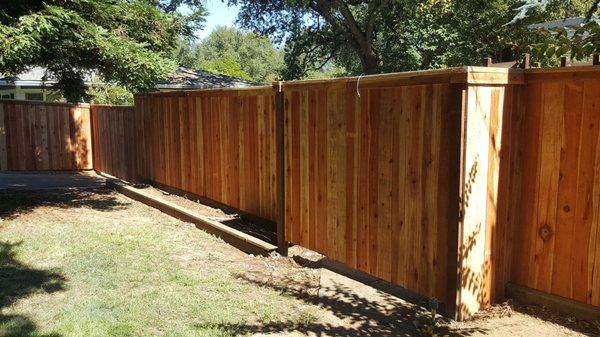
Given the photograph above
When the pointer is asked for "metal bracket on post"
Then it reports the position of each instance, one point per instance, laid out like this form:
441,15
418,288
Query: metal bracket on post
282,244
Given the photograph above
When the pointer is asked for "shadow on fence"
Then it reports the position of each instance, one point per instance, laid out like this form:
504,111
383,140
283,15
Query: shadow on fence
18,281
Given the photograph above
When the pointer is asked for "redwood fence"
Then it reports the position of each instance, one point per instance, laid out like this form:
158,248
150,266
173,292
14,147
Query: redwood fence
451,183
44,136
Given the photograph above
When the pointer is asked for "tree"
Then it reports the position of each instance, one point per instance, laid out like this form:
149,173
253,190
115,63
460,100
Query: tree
317,29
110,94
256,56
225,65
124,41
455,33
388,35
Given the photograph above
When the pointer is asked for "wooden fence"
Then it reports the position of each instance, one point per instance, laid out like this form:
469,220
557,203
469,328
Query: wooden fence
451,183
114,140
555,236
37,136
217,144
369,174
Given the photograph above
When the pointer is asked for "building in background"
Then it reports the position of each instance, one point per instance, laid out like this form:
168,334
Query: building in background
35,85
32,85
188,79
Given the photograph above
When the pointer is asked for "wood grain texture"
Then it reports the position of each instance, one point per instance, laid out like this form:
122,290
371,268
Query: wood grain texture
556,230
484,227
451,184
217,144
114,137
366,178
40,136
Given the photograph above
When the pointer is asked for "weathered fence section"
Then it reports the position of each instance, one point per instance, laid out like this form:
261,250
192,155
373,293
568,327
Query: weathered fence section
114,140
556,232
41,136
217,144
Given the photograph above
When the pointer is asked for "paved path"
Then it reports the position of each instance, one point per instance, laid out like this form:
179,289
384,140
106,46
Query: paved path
50,180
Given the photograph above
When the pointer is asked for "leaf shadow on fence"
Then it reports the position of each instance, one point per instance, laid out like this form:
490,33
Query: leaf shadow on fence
363,316
14,203
18,281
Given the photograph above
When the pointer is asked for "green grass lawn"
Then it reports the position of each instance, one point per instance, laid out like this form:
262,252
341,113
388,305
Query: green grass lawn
85,264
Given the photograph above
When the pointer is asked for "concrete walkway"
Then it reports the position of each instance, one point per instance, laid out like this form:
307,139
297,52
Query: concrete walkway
50,180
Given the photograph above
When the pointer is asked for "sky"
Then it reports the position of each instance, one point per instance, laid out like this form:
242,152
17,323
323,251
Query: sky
219,15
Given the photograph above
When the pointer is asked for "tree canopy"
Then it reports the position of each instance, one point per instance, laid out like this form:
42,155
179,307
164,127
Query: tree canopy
232,52
124,41
370,36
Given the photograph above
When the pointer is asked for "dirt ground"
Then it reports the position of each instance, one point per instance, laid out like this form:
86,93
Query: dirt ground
291,277
339,306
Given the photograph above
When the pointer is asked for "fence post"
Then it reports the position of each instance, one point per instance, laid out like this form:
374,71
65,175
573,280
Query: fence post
526,61
563,61
282,245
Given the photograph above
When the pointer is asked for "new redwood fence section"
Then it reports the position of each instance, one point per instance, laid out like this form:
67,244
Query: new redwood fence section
114,140
451,183
217,144
371,174
36,136
556,232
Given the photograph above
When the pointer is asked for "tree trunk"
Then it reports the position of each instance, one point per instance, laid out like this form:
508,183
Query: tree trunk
370,62
361,41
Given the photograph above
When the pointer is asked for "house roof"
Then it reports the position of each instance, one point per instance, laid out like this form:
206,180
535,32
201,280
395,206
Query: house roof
184,78
35,77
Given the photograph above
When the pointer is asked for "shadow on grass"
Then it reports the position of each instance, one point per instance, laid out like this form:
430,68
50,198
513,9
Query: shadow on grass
18,281
362,316
14,203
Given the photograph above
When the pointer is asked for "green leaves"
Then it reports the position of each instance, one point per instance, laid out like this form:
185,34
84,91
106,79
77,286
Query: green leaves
225,65
235,53
126,41
579,43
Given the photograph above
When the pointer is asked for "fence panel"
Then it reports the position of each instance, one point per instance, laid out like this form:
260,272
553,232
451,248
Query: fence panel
557,229
217,144
114,140
372,177
42,136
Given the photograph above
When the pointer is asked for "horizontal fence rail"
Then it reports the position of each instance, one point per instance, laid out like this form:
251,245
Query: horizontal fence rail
40,136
